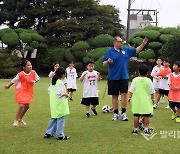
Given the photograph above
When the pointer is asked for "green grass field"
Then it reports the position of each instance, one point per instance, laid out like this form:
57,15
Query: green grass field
94,135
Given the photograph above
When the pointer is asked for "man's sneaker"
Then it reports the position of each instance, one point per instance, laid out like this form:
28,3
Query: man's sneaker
134,132
87,115
94,111
124,117
155,106
15,123
173,116
116,117
63,138
178,120
70,98
147,132
48,135
22,122
167,107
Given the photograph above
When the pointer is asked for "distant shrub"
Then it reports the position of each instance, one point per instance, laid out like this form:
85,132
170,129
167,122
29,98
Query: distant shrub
147,54
80,46
103,40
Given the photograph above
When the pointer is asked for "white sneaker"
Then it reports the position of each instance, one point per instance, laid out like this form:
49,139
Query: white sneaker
155,106
22,122
15,123
116,117
124,117
161,101
167,107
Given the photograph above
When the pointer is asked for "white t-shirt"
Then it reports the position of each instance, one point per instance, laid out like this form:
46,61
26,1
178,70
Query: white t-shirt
90,84
64,80
163,83
60,91
71,78
155,70
133,85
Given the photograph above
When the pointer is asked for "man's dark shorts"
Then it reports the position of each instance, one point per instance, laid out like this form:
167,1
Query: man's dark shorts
117,86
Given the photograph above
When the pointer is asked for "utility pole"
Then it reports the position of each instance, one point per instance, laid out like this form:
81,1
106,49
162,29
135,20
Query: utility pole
156,18
128,20
138,11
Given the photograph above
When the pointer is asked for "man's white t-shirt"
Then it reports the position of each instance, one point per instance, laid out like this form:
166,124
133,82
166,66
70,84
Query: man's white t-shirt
71,78
90,84
155,70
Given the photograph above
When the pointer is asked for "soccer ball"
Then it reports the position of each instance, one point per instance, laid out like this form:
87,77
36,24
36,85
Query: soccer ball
106,109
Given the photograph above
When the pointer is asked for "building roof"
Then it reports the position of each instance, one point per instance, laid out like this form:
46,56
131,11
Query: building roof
133,17
145,17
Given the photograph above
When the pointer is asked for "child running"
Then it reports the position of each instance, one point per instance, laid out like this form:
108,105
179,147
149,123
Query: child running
58,105
174,92
90,92
163,85
24,84
141,95
71,79
156,79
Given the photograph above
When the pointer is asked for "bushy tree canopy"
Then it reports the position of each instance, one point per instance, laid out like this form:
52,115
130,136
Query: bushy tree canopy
62,21
103,40
157,38
171,49
21,39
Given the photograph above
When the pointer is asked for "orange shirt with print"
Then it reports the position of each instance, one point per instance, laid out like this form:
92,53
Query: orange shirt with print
24,91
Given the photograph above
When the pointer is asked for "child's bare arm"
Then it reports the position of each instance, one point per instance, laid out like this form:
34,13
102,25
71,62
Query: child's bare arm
82,77
152,98
66,94
8,85
99,76
129,96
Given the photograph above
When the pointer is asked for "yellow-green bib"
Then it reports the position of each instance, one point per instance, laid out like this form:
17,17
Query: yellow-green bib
141,98
59,108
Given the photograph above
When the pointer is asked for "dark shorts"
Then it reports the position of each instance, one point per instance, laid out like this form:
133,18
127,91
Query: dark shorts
142,115
117,86
71,90
90,101
174,104
163,92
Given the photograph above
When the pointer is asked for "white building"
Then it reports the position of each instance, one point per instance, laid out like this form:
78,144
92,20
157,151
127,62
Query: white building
140,21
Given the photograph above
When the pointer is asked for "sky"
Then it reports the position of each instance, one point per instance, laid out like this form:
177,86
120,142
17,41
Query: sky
169,10
168,16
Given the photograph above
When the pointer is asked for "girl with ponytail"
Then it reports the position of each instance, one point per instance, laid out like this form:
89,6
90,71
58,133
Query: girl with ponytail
58,105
